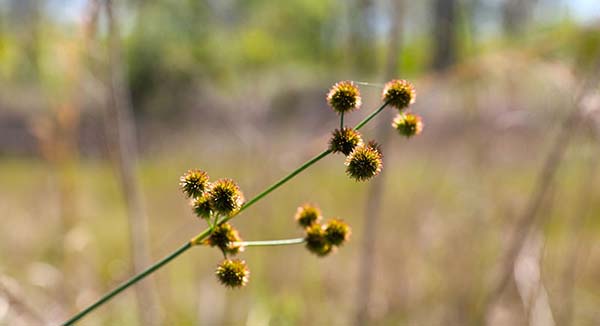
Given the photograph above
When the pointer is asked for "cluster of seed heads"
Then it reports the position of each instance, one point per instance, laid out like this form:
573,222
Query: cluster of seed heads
321,239
365,160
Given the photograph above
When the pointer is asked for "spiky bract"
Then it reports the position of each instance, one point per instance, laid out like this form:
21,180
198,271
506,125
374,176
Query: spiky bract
225,197
233,273
399,93
408,124
316,241
193,183
307,215
201,206
364,162
344,140
344,97
224,236
337,232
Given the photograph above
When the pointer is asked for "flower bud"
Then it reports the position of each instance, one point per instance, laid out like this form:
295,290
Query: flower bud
233,273
224,236
408,124
193,183
201,206
344,97
399,93
364,162
307,215
316,241
337,232
225,197
344,140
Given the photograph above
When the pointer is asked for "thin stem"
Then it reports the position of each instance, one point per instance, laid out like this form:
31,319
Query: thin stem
341,121
283,242
128,283
371,116
200,237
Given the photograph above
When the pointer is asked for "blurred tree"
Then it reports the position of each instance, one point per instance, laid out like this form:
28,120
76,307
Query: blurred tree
362,43
24,18
444,33
515,14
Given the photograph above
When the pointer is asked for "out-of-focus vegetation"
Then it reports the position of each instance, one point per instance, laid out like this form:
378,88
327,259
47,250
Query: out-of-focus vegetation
237,88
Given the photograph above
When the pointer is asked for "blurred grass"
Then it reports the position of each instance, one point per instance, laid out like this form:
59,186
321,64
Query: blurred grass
444,225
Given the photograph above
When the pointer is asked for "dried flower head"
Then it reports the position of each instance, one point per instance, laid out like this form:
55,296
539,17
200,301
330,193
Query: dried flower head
316,241
364,162
224,236
343,97
201,206
225,197
193,183
337,232
233,273
399,93
408,124
344,140
307,215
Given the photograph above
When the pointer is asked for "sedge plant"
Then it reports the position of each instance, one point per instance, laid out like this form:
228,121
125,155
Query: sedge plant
220,201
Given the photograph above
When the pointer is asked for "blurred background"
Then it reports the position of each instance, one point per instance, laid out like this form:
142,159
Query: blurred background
490,217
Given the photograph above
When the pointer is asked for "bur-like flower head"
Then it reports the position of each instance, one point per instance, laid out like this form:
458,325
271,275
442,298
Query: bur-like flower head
344,97
399,93
364,162
201,206
307,215
337,232
408,124
233,273
316,241
225,197
344,140
224,236
193,183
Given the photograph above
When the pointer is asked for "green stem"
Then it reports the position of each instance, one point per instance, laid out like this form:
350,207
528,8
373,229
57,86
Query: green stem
269,242
200,237
128,283
341,121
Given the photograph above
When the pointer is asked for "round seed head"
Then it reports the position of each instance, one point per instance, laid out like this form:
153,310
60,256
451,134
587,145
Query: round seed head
224,236
307,215
316,241
201,206
364,162
337,232
343,97
233,273
344,140
408,124
225,197
193,183
399,93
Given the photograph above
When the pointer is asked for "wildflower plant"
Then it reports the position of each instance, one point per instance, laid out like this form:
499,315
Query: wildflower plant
220,201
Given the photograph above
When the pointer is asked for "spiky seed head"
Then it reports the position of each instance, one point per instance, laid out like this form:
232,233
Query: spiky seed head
316,241
233,273
307,215
408,124
193,183
201,206
224,236
399,93
344,140
337,232
225,197
344,97
364,162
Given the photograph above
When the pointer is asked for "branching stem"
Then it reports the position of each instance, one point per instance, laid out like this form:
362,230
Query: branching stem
197,240
283,242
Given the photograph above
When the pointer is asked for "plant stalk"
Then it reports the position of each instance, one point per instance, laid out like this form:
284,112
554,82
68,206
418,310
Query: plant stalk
283,242
197,240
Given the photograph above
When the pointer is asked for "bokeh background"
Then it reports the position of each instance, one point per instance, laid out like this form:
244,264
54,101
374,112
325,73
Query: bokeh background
490,217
